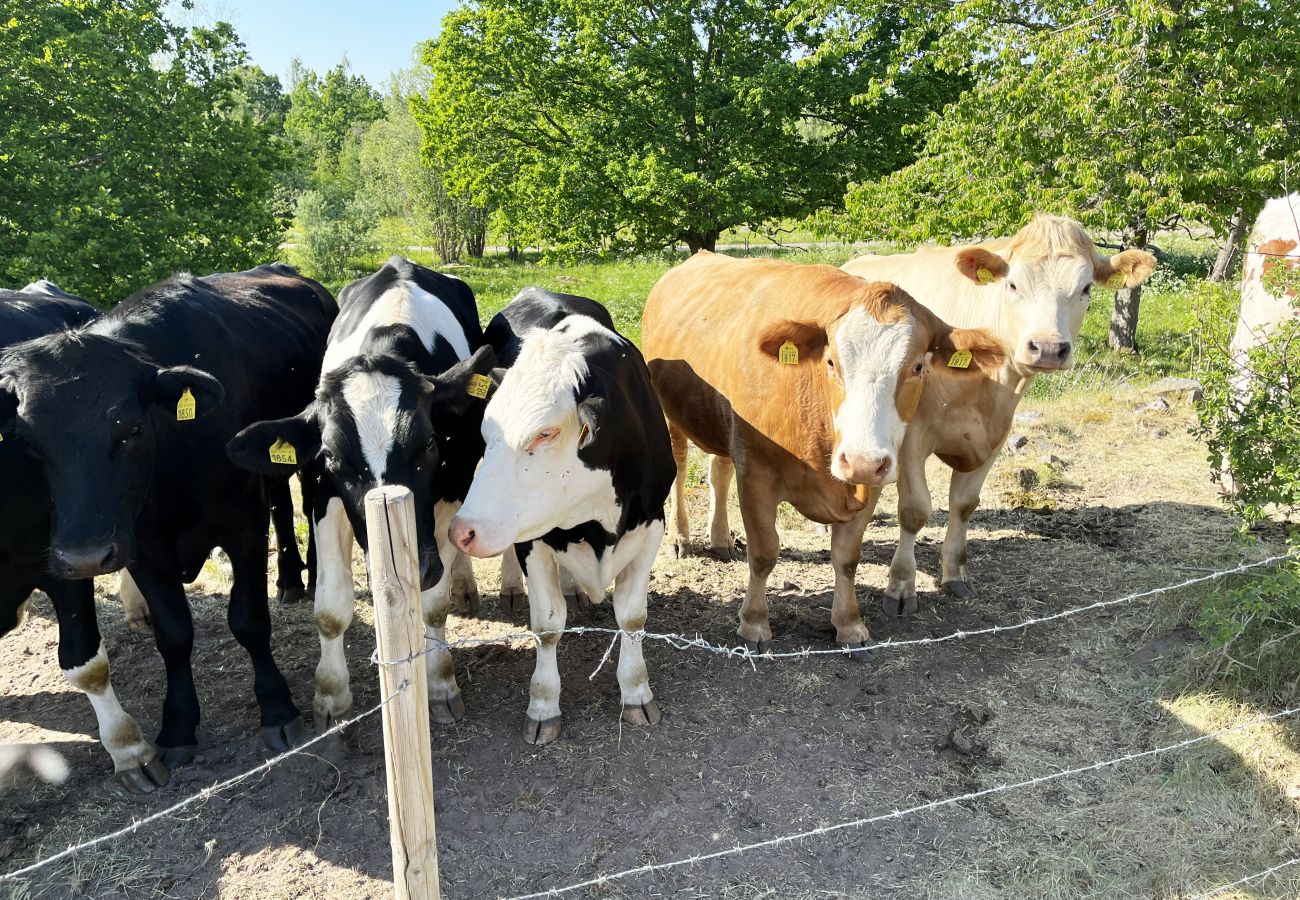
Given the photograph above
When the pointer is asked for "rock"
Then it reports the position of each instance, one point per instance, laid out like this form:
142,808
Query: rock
1052,459
1189,387
1029,416
1017,441
1026,478
1160,404
1160,432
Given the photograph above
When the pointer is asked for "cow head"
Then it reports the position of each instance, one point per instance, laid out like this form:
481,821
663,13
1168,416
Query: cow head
90,408
874,359
547,462
1043,279
375,421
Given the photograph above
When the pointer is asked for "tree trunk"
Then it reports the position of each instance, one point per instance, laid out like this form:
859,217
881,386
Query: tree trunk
1227,257
476,231
1124,317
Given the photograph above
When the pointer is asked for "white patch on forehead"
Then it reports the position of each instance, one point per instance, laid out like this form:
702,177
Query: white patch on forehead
539,389
372,399
870,349
872,356
403,304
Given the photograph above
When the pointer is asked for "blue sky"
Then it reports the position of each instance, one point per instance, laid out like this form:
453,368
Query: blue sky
377,36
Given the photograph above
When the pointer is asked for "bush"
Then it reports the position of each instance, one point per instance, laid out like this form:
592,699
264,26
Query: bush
335,235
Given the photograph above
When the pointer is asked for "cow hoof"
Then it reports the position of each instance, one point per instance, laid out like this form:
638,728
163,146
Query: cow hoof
856,650
758,646
175,757
681,548
465,602
291,594
899,606
143,779
139,625
541,733
324,721
642,713
447,710
958,589
579,601
721,554
284,737
513,600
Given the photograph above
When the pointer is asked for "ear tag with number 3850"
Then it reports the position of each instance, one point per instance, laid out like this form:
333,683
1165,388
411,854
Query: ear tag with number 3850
185,407
1116,280
788,355
985,276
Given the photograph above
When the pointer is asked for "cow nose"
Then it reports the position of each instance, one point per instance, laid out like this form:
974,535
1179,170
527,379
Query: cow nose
1049,354
463,535
866,468
87,562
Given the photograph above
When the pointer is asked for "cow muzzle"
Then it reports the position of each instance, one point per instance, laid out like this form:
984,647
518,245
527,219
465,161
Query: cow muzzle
88,561
1048,355
468,538
872,468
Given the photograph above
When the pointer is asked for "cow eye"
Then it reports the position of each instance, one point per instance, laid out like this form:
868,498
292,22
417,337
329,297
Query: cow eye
1012,286
543,437
137,430
1087,291
918,368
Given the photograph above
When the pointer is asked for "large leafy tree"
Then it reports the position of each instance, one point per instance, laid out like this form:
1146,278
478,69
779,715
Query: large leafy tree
122,154
1131,116
598,123
327,114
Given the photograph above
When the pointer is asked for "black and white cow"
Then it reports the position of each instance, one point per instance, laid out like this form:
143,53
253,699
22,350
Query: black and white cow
392,407
128,418
575,474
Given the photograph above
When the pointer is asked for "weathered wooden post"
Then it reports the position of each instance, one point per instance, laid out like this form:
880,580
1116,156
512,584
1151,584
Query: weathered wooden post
399,624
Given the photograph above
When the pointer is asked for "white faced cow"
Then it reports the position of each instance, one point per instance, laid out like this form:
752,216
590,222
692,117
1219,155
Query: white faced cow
392,407
574,477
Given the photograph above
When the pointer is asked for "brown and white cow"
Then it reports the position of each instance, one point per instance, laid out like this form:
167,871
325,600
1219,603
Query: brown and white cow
1031,291
1274,242
803,379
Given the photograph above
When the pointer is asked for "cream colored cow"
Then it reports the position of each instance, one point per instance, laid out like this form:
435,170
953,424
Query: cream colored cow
1031,291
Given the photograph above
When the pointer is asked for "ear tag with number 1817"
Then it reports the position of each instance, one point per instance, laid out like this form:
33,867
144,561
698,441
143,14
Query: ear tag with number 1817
960,360
788,355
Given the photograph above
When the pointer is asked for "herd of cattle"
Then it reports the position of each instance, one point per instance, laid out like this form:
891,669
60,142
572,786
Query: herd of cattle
144,438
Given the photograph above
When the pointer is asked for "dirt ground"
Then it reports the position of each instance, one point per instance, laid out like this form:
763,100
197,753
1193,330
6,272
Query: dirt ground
1118,500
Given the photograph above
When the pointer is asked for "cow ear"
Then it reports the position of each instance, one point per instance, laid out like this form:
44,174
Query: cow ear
966,351
808,339
590,412
1124,270
192,391
453,393
981,266
8,410
277,447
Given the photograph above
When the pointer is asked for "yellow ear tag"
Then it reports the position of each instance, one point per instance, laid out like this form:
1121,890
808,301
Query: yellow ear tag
185,407
788,355
582,435
1116,280
985,276
478,386
282,452
960,360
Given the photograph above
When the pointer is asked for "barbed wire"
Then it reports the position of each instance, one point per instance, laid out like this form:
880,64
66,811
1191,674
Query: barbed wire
684,642
1249,878
912,810
201,795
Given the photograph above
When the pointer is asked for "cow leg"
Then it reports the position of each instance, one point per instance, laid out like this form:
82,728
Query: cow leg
84,663
681,523
630,590
288,560
913,512
335,603
963,499
446,706
513,594
173,634
721,471
846,552
249,616
758,512
133,605
547,611
574,594
307,483
464,589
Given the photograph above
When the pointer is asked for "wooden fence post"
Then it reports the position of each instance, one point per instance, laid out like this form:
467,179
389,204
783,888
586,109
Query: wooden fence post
399,624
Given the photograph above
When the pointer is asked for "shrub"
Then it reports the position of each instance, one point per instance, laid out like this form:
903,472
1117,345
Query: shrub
335,234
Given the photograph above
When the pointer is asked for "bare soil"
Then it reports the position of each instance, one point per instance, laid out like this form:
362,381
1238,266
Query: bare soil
1120,501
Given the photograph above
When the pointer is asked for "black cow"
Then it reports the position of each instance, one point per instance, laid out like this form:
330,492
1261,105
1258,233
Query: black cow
129,417
395,405
575,474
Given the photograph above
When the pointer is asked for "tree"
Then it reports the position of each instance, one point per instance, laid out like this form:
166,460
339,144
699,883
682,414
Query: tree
122,156
325,113
1131,117
605,124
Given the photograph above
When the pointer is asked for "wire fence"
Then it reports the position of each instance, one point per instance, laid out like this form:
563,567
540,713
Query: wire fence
682,643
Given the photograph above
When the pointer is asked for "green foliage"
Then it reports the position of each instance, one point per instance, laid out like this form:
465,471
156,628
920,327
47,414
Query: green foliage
125,153
599,125
327,113
334,234
1128,116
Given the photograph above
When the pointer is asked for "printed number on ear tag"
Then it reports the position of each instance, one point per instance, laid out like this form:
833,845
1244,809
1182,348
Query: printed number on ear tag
960,360
985,276
282,452
478,386
788,355
1116,280
185,407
